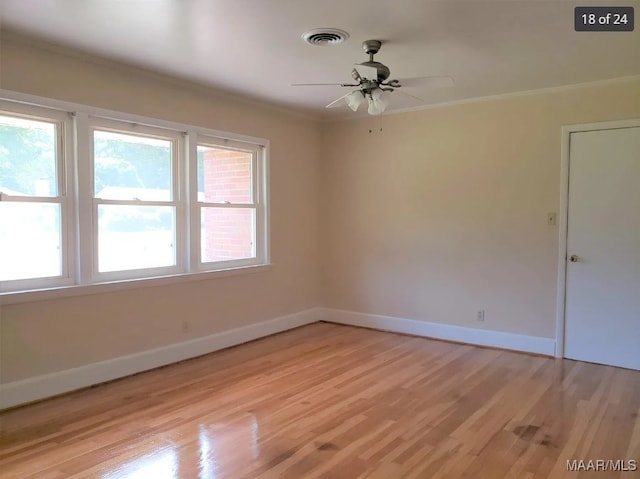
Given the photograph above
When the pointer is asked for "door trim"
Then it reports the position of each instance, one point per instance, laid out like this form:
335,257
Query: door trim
564,212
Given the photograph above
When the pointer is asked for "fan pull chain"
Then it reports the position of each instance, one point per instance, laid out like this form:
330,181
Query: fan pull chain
379,128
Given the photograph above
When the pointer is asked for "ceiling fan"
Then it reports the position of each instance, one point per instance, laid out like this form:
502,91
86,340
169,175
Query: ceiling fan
373,83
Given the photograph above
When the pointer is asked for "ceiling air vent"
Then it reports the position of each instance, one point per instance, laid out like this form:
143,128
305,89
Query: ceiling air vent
325,36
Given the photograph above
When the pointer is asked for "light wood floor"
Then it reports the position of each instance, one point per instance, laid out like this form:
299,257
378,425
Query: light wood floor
329,401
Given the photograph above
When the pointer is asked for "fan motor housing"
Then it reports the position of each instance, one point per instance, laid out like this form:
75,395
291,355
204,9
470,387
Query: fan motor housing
383,70
371,47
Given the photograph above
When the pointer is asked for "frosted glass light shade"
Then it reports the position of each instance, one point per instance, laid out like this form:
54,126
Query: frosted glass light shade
354,99
377,102
382,98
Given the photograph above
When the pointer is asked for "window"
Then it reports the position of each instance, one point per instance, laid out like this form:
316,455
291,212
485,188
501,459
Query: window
88,197
227,206
135,198
34,209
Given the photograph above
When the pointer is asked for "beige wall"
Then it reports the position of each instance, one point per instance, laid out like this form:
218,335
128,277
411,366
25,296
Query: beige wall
439,215
443,213
47,336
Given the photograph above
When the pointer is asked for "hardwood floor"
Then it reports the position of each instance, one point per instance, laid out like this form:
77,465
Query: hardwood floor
329,401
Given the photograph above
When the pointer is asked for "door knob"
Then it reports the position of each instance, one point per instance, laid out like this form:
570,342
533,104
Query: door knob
573,258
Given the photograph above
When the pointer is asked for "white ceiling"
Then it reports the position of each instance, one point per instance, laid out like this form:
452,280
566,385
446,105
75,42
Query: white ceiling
254,47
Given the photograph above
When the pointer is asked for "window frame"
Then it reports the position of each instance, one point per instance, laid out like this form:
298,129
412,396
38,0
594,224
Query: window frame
76,181
177,152
64,178
257,204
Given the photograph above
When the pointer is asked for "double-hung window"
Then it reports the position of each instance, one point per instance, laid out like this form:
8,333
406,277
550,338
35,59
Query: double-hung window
227,216
137,207
89,196
35,209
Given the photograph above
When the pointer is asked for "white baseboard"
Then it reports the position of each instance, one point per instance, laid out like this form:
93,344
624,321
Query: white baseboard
478,337
40,387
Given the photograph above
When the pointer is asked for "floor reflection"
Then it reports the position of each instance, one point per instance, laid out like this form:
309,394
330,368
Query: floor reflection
222,446
162,464
208,463
228,443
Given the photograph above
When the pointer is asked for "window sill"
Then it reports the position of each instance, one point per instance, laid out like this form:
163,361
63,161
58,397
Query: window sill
11,297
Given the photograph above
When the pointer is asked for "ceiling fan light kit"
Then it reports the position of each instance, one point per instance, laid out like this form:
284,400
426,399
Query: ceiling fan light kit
378,102
354,99
371,81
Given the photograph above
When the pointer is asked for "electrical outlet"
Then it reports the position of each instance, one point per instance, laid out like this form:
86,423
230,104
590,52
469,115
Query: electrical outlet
185,326
551,219
480,315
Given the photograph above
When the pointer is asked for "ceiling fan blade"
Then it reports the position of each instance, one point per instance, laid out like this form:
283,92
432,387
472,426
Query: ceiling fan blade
365,71
336,102
430,81
323,84
409,95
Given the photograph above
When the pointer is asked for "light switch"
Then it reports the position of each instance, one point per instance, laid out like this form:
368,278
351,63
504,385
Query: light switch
551,219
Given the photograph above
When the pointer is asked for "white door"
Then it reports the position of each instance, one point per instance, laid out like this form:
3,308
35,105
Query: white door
602,308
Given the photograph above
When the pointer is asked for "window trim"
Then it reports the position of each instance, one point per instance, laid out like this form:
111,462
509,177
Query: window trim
80,278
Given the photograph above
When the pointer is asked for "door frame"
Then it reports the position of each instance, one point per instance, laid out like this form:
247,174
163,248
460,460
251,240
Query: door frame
564,213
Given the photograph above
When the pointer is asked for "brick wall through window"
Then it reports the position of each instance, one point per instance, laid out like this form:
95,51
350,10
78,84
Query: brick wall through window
227,232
